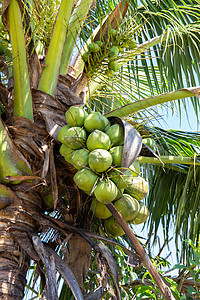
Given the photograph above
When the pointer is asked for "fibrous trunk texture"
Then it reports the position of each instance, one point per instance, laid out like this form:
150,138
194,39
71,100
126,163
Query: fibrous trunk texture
16,227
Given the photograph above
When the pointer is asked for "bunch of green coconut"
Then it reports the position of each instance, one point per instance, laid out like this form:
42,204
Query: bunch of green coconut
94,147
99,51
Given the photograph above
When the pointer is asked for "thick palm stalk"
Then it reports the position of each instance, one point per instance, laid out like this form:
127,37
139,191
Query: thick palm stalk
169,160
50,73
12,163
165,290
76,22
22,91
148,102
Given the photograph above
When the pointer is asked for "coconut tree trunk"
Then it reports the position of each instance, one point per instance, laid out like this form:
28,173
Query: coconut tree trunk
16,227
18,202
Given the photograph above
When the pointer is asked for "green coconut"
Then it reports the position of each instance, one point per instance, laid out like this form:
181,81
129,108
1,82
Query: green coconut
85,179
116,134
86,56
138,189
100,160
94,121
114,51
114,66
142,214
106,123
79,158
75,116
112,32
98,140
105,191
75,137
66,152
93,47
135,168
61,133
99,43
127,206
113,228
121,179
100,210
116,153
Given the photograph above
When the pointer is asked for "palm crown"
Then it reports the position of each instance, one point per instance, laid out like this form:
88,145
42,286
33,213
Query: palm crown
143,51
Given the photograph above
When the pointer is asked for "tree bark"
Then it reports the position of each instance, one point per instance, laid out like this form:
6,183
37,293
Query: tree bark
16,225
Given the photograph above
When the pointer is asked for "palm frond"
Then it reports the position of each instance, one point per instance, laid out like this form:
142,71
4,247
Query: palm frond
173,198
179,49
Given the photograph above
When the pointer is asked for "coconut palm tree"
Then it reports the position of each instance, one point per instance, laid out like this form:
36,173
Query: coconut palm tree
158,45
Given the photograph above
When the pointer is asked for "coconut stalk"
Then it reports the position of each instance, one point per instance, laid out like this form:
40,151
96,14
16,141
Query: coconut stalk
22,92
130,55
148,102
12,163
181,160
50,72
101,32
76,22
165,290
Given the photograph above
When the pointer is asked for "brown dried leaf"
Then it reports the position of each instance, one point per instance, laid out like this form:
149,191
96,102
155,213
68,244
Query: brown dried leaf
67,274
95,295
25,243
5,4
113,268
54,185
49,264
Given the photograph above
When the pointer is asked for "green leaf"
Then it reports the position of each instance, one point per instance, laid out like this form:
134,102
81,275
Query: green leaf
22,92
146,103
48,80
179,266
192,291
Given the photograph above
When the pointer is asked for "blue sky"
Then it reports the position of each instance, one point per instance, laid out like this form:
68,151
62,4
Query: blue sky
187,123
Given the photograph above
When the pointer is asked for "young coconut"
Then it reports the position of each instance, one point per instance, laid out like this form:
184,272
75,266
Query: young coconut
127,206
98,140
142,215
86,56
138,189
66,152
113,65
114,51
116,153
94,121
93,47
75,137
135,168
75,116
113,228
100,160
79,158
116,134
121,179
85,179
61,133
105,191
100,210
